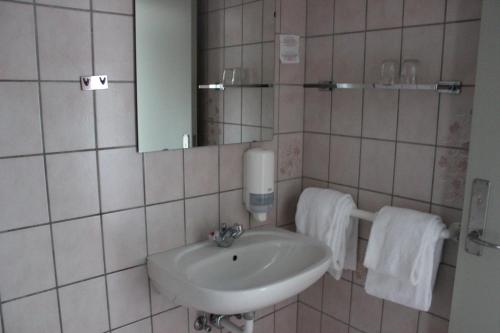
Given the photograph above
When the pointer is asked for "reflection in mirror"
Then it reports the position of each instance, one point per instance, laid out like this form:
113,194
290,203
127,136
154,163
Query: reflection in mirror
234,48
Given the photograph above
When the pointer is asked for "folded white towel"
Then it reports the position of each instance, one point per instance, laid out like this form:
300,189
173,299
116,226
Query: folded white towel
403,256
325,215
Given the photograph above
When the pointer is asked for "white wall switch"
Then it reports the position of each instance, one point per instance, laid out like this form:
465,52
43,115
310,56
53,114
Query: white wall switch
97,82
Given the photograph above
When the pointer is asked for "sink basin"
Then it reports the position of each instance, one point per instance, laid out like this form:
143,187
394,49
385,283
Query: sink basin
261,268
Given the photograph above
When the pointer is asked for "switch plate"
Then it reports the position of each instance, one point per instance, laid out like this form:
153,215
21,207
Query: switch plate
97,82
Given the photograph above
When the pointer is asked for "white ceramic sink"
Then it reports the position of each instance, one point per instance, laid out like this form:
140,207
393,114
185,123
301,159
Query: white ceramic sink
261,268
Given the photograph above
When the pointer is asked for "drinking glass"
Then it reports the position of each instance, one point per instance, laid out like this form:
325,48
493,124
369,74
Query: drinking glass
388,72
409,71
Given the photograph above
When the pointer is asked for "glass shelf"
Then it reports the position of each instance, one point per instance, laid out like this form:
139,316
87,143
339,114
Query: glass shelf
221,86
443,87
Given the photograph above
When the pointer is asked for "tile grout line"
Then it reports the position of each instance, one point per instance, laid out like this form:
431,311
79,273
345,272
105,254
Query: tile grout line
98,171
45,163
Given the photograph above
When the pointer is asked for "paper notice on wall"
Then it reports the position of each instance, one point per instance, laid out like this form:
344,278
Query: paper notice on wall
289,49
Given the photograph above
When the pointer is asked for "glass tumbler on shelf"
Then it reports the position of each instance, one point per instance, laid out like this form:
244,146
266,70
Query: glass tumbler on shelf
409,70
388,72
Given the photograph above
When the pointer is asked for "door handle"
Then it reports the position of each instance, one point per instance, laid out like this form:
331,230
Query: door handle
475,237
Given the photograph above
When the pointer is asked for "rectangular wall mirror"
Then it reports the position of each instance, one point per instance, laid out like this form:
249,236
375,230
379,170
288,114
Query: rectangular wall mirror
205,72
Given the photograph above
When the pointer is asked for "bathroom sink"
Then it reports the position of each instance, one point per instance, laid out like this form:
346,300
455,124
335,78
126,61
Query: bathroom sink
261,268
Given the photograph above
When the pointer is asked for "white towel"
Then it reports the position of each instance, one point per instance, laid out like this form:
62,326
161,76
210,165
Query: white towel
403,256
325,215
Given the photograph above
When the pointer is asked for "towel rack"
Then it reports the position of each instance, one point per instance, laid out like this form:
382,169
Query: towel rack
452,233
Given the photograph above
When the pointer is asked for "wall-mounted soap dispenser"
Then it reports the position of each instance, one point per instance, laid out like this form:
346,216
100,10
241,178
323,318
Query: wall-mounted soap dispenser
258,182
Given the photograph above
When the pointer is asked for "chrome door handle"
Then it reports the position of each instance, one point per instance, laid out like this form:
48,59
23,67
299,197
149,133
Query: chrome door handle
475,237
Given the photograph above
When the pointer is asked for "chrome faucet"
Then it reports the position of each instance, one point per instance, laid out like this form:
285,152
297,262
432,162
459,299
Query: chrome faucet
226,235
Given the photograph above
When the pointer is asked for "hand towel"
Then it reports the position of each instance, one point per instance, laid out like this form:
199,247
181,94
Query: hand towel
325,215
402,257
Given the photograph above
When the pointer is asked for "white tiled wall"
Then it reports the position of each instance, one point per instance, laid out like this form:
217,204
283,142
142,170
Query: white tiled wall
403,148
79,208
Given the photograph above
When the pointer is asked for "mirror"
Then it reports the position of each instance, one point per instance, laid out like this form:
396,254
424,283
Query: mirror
205,72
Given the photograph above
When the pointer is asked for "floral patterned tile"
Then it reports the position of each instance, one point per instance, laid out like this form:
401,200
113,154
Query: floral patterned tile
449,177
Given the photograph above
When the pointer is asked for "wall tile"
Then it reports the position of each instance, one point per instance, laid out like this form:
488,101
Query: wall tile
423,11
121,179
449,177
231,166
232,209
320,17
313,296
17,28
115,6
73,185
349,57
233,26
36,313
202,217
252,22
215,35
68,56
366,310
124,239
463,10
347,110
23,196
443,292
165,226
285,319
143,326
418,114
430,324
293,17
173,321
288,195
411,204
78,249
291,109
349,15
384,14
128,296
455,117
290,156
336,298
398,318
317,110
68,117
251,106
359,276
377,165
319,59
316,154
269,20
115,109
308,320
265,325
460,52
114,46
164,176
201,170
330,325
414,168
84,308
26,261
424,44
344,160
159,303
20,130
380,46
80,4
380,114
